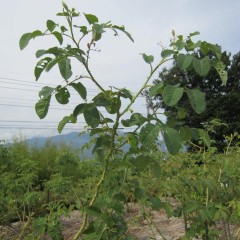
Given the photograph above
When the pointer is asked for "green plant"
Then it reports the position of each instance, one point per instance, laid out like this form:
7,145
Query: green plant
106,207
221,101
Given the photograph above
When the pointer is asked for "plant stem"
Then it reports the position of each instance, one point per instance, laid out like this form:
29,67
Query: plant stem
69,20
144,85
94,80
102,178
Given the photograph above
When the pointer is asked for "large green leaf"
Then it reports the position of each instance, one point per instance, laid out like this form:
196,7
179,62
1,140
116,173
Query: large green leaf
63,29
37,33
51,25
97,30
46,92
52,63
167,53
126,94
122,28
80,89
205,137
72,118
40,67
24,40
65,68
197,100
148,58
91,18
180,44
185,133
56,51
42,106
79,109
135,119
172,94
114,106
191,46
62,95
172,140
194,34
66,120
216,49
62,123
156,89
40,53
202,66
103,99
220,67
184,61
91,115
149,134
58,36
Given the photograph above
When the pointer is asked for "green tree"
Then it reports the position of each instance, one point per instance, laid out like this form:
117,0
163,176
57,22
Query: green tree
222,115
107,206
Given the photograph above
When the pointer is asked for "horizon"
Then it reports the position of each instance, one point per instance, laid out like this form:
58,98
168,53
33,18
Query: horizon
119,63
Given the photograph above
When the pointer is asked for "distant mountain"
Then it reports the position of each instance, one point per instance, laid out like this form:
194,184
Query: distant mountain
75,140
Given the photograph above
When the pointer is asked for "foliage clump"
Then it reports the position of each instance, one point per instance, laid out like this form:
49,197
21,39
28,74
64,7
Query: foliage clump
221,116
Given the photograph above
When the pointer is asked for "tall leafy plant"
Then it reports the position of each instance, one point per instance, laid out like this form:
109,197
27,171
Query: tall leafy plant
84,39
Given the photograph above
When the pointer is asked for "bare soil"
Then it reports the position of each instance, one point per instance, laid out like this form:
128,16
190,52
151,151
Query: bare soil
170,228
163,228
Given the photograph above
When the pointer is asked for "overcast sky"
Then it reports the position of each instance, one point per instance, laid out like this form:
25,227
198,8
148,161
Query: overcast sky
118,64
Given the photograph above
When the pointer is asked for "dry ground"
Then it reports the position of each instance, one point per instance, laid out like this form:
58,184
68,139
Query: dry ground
172,228
167,228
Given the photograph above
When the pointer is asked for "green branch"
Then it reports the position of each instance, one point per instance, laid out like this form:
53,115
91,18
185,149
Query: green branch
153,70
102,178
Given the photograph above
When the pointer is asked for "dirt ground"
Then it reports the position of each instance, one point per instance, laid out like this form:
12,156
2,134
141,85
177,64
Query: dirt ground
171,229
165,228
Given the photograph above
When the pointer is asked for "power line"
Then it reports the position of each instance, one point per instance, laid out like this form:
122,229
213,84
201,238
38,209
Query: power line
27,106
38,128
20,80
20,99
33,90
71,105
30,100
21,84
28,121
53,127
30,90
16,82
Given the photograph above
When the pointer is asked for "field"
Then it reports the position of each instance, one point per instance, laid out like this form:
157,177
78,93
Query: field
43,191
130,189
